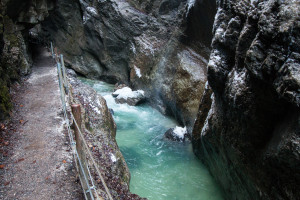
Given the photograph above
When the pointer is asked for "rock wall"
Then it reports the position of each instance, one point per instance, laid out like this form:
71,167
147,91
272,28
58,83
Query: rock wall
16,18
140,43
199,24
249,138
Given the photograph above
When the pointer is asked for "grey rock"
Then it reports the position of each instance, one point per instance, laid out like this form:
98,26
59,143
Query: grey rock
109,40
111,111
132,98
71,73
15,53
131,101
169,134
100,130
249,137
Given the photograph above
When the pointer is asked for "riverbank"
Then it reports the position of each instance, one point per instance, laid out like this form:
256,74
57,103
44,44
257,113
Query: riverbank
99,131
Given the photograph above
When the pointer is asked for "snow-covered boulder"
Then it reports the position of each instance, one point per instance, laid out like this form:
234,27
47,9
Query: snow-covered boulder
177,134
119,86
126,95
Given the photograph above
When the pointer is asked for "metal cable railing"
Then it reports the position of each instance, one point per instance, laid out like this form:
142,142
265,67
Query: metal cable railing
87,181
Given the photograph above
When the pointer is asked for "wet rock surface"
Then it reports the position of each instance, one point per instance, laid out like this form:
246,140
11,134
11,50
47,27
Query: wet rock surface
250,138
100,132
138,43
15,53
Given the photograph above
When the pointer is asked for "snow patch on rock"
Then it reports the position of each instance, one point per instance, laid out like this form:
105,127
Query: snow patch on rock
237,82
147,44
214,60
95,104
179,131
126,95
239,78
132,47
92,11
113,158
190,4
127,92
206,85
137,71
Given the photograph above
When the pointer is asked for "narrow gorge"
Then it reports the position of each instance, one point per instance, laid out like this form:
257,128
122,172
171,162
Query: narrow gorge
181,99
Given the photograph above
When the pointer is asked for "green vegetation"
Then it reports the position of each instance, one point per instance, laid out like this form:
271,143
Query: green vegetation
10,63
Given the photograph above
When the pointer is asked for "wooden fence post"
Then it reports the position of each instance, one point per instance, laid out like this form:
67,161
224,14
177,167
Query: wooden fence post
77,115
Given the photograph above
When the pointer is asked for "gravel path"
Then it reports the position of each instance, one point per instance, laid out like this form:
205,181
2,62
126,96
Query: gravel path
39,164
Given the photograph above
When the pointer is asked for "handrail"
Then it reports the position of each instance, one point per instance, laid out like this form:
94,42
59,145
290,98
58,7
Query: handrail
64,89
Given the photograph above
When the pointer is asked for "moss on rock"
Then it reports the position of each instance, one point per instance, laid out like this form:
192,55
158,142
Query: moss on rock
5,102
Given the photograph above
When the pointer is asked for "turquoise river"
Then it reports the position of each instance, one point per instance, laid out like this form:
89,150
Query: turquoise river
160,169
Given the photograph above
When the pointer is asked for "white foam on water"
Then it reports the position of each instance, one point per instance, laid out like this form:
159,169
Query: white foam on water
163,164
119,107
158,153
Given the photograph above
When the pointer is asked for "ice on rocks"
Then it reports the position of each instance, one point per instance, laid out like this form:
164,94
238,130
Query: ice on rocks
215,59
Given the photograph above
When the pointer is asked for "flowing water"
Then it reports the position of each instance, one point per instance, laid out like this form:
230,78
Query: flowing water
160,169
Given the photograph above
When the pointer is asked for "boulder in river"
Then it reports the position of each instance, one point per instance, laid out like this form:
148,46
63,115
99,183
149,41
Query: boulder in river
177,134
126,95
112,112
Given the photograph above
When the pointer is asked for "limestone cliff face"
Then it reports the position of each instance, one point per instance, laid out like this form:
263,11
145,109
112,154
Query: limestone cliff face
140,43
249,138
16,18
